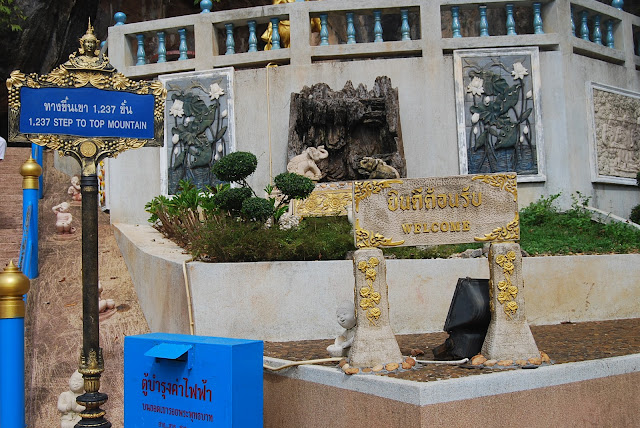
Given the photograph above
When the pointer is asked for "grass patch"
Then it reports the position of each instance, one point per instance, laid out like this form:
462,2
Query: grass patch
544,230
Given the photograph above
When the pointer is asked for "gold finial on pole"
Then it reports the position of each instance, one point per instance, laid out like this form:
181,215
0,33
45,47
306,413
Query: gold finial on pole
30,172
13,286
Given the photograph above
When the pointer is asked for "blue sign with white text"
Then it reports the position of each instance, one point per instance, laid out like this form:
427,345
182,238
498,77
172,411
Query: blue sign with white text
86,112
180,381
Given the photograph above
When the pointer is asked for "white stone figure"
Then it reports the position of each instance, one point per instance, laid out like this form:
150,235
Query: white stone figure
67,404
305,163
104,304
375,168
63,218
347,320
74,190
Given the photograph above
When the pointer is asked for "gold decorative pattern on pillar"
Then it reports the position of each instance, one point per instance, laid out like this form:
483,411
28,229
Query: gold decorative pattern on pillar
510,232
506,182
370,297
507,292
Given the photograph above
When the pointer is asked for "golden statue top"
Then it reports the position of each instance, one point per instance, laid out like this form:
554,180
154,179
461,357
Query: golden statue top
90,57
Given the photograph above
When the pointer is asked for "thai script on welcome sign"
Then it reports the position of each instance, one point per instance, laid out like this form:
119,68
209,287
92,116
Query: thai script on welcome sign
177,389
198,416
418,200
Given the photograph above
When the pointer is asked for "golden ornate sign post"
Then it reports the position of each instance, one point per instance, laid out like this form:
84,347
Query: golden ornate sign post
86,109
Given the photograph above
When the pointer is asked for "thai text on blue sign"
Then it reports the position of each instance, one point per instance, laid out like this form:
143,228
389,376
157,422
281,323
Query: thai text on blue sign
86,112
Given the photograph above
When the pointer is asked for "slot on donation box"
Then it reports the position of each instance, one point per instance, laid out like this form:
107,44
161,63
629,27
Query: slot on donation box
180,381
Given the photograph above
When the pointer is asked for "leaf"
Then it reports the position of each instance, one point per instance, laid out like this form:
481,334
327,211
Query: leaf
526,114
510,99
493,132
220,134
481,140
177,163
507,139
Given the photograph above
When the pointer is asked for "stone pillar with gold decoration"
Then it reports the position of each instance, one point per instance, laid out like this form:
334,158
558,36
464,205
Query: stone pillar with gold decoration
13,286
509,336
374,342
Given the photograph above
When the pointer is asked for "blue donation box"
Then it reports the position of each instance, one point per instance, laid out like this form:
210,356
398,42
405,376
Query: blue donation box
180,381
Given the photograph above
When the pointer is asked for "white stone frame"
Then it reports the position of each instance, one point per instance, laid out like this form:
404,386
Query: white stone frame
596,177
228,72
458,56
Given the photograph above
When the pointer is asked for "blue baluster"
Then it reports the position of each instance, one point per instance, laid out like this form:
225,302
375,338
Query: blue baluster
597,33
617,4
275,33
573,23
584,27
404,28
141,53
484,24
182,48
205,6
351,29
377,26
120,18
537,19
511,23
253,39
231,44
162,49
324,30
455,21
610,41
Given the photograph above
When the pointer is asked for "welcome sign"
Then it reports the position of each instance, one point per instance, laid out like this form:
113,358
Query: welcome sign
439,210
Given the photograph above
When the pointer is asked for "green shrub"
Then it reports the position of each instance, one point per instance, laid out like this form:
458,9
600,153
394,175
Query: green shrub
235,167
231,199
257,209
295,186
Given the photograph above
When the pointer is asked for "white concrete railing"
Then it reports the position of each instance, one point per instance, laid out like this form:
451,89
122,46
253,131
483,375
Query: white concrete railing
566,25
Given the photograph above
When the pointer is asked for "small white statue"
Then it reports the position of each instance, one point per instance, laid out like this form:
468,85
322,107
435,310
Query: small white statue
63,218
347,320
104,305
67,404
305,162
74,190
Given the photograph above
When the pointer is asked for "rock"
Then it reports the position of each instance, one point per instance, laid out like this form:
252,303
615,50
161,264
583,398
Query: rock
521,362
366,370
352,370
536,361
406,366
490,363
545,358
377,368
342,362
411,361
478,360
415,352
505,363
392,366
471,253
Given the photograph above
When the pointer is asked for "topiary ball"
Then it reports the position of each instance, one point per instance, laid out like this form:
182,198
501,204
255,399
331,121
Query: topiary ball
294,185
232,199
235,166
635,214
257,209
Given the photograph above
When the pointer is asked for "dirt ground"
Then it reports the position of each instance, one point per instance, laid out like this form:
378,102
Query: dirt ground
54,311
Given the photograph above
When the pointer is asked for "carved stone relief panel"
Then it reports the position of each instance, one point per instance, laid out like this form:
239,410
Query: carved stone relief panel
498,112
615,135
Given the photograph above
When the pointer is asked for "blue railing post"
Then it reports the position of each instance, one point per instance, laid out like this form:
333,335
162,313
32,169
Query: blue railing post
573,23
231,44
182,48
455,21
484,23
141,54
610,40
351,29
324,29
377,26
162,49
205,6
36,153
120,18
617,4
405,28
30,171
537,19
597,32
13,286
253,38
275,33
584,26
511,23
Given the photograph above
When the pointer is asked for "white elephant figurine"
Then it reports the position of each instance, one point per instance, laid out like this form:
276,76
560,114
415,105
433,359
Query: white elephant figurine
305,162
